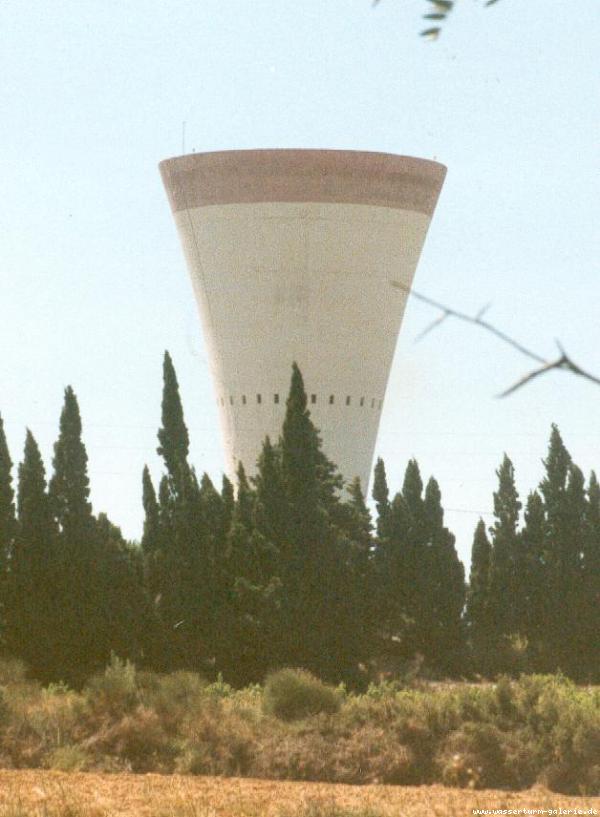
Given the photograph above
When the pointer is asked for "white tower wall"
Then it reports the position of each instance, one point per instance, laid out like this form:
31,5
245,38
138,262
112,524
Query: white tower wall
291,255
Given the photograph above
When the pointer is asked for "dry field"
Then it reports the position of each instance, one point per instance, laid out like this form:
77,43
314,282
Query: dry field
34,793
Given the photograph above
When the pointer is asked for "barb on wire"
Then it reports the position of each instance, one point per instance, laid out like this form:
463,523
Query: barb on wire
563,362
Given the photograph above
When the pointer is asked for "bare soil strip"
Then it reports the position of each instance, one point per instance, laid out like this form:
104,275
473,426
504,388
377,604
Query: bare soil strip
129,795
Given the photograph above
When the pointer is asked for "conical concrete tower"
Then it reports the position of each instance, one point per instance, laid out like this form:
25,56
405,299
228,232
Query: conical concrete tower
291,255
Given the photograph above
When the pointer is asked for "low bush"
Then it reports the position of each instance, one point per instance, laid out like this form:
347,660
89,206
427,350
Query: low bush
114,691
292,694
217,742
12,671
511,734
68,759
137,740
173,697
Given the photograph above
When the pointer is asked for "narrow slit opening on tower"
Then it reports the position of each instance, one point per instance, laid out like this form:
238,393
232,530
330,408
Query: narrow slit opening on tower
313,398
362,401
243,399
331,399
348,400
276,398
258,398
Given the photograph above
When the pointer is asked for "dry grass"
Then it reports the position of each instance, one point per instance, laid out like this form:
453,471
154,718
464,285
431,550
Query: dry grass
34,793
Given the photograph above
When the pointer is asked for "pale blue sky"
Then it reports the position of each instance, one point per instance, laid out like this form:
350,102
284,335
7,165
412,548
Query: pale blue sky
93,283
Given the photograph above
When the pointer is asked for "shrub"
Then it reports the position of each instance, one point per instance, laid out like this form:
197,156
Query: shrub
136,738
472,756
174,697
294,694
217,743
372,755
12,671
287,754
114,691
68,759
55,716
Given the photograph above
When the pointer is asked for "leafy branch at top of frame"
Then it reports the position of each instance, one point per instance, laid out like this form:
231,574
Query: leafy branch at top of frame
563,362
436,15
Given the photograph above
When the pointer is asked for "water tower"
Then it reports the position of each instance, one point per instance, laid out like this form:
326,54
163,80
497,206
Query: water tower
291,254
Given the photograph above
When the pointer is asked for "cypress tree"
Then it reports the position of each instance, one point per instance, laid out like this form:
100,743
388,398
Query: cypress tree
152,537
361,524
228,498
381,495
478,598
271,500
127,622
80,644
248,622
572,639
443,581
557,549
392,580
151,533
590,598
184,566
416,566
356,543
7,517
31,616
69,486
244,506
173,435
503,577
300,446
315,631
535,604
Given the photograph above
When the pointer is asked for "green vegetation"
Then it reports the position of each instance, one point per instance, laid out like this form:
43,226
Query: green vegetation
289,570
295,694
510,734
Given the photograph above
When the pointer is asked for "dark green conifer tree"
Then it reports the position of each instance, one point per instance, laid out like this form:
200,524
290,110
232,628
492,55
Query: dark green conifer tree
31,610
391,578
249,618
381,495
361,524
590,597
173,437
534,600
184,564
478,598
417,562
443,580
151,533
7,505
7,519
558,550
81,643
130,627
572,639
228,498
505,543
271,501
315,628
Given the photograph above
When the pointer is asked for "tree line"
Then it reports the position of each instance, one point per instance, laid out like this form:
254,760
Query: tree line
288,569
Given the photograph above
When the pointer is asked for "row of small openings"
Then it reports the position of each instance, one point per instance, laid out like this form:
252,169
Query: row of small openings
313,399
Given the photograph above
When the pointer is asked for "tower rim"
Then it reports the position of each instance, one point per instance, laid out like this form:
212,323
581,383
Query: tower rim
302,175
